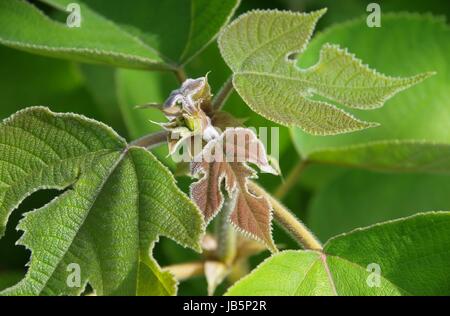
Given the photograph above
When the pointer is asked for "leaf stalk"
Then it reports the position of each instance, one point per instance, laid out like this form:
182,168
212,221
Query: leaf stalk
225,233
291,180
223,94
150,141
180,74
288,221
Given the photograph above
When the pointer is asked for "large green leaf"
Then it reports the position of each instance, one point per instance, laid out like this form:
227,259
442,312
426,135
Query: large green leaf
118,199
360,198
24,27
260,48
412,254
147,34
414,134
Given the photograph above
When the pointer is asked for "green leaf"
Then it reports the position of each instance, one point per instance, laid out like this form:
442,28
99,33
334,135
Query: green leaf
413,135
117,200
98,40
207,18
297,273
260,46
179,30
360,198
138,36
412,254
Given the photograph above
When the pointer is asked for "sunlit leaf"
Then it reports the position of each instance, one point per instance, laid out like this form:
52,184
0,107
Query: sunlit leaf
413,135
404,257
117,200
261,48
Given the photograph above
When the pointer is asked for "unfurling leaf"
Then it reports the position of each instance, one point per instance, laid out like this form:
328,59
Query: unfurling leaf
187,109
118,199
225,159
259,46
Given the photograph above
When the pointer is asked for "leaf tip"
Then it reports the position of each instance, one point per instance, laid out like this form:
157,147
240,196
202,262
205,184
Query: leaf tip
319,13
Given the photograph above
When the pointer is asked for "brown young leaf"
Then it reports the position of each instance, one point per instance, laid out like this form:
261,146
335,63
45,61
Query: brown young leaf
224,160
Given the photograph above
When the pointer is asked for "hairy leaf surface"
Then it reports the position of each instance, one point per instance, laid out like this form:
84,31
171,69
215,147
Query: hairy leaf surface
223,160
414,134
261,48
410,254
117,200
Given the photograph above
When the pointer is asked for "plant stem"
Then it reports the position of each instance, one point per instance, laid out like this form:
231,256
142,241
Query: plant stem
225,233
187,270
291,180
180,74
223,94
288,221
151,140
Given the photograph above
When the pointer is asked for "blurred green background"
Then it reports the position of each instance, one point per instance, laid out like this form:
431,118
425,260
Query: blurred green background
330,199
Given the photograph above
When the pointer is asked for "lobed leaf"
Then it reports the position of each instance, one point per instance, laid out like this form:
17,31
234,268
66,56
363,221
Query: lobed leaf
117,200
260,47
347,266
413,136
223,160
